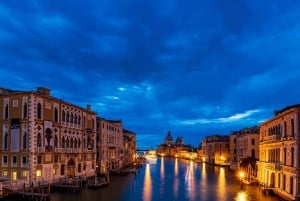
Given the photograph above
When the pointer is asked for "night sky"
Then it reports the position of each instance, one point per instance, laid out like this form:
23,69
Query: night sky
194,67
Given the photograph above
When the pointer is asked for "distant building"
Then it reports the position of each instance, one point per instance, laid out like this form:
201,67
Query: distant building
215,149
278,167
43,138
169,141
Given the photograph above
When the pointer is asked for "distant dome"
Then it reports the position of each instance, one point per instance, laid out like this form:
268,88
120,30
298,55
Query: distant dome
169,139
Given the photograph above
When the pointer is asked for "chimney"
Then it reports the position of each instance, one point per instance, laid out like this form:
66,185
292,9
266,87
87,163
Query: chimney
88,107
44,91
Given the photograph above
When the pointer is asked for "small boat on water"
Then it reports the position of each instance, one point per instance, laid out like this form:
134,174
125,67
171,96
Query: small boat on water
98,183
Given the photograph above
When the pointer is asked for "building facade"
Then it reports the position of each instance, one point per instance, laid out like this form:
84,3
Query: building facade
215,149
278,168
44,138
129,140
110,146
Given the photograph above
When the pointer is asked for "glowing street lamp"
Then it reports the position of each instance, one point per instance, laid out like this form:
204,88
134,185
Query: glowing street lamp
241,174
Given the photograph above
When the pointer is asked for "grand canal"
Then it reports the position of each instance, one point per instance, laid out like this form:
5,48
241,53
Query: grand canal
166,179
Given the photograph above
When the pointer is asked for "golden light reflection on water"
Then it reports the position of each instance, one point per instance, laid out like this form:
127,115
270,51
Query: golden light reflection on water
162,168
203,182
221,186
241,196
190,180
147,191
176,179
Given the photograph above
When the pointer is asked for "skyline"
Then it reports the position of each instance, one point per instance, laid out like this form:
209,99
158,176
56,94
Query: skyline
195,69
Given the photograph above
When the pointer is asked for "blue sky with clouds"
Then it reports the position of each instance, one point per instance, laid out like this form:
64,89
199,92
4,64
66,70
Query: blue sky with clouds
192,67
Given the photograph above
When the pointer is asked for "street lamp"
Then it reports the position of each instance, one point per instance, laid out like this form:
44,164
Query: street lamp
241,174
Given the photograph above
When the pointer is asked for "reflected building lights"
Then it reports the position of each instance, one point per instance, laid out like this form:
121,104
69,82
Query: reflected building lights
176,179
162,168
190,180
241,196
221,184
147,191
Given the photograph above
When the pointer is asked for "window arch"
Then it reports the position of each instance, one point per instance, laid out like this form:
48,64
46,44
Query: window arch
56,115
55,141
39,140
25,140
292,156
63,142
292,127
75,143
284,156
67,120
39,111
25,110
6,112
67,143
5,143
63,116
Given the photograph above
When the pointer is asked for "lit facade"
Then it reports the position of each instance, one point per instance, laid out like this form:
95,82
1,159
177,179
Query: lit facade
129,139
215,149
44,138
278,167
110,146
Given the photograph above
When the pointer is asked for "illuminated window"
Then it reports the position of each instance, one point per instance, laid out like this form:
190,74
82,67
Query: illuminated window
24,173
4,173
55,171
38,173
14,175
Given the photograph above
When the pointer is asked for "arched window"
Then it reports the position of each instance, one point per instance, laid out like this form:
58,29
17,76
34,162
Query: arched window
84,145
284,156
292,128
292,156
25,110
67,143
71,143
5,143
75,119
79,143
75,143
25,140
55,141
67,120
79,119
63,116
55,115
71,119
63,142
39,140
39,111
6,112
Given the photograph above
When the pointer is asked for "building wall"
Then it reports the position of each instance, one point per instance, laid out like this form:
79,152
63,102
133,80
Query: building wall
279,155
38,141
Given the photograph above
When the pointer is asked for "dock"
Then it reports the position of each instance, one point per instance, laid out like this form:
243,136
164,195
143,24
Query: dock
98,183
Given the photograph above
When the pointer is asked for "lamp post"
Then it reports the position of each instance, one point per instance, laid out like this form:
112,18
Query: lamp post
241,174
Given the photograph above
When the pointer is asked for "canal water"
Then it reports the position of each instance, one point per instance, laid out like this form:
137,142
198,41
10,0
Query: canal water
167,179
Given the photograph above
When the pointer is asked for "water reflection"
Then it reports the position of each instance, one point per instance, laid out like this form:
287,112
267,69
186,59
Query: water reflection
203,181
190,180
147,191
221,185
176,179
241,196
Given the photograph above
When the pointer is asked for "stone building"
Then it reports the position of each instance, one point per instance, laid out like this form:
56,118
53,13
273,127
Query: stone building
110,146
44,138
278,167
129,140
215,149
